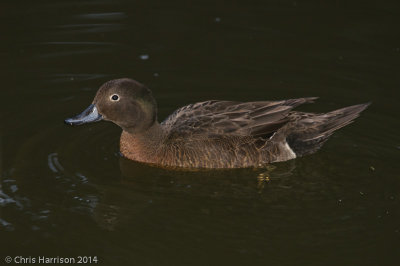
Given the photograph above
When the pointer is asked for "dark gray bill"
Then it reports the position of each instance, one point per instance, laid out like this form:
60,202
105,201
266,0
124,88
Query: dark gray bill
89,115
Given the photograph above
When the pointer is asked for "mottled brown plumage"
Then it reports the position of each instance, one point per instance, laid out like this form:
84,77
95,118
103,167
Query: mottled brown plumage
212,134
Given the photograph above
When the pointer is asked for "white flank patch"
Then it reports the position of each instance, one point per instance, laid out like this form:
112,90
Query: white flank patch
291,153
286,153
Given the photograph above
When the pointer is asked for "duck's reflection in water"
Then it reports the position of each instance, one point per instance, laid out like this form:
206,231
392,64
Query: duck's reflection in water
144,188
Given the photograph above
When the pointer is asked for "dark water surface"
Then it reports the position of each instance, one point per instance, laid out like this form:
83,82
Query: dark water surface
65,191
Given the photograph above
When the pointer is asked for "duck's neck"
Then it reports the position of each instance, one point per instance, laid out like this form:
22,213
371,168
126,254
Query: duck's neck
142,146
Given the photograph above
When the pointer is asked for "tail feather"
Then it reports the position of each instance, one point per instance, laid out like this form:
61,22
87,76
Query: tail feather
311,132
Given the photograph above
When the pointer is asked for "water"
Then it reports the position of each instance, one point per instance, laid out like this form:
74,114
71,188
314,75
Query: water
66,192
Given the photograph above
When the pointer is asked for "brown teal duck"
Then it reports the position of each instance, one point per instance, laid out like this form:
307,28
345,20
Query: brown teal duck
212,134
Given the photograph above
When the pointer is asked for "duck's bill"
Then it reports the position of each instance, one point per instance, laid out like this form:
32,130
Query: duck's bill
88,116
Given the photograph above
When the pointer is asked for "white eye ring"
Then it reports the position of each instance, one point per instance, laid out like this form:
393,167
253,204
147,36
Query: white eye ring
114,97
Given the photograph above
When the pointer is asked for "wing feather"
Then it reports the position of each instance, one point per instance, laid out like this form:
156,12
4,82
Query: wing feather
232,118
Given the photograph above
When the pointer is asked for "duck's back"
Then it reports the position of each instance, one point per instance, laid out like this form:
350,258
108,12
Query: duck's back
226,134
229,118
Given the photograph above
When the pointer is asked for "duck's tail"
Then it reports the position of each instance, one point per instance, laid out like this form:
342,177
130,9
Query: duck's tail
311,131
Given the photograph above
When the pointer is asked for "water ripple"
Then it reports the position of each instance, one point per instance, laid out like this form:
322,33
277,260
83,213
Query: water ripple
79,43
104,16
54,164
89,28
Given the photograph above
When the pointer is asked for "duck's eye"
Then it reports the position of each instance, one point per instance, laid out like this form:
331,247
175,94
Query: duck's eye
114,97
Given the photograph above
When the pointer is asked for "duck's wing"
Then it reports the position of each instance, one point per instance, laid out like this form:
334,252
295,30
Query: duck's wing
259,119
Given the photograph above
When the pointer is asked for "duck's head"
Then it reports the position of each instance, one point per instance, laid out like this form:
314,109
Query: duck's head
125,102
